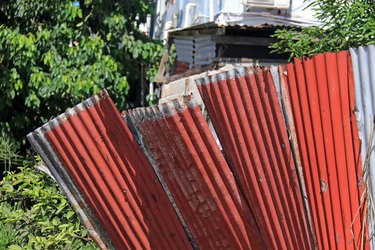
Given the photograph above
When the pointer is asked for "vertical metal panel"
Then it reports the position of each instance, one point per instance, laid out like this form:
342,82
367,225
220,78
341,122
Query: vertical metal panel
321,93
92,150
245,111
363,59
278,78
178,140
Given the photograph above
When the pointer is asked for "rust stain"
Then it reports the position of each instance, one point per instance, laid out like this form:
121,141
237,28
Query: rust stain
177,138
289,177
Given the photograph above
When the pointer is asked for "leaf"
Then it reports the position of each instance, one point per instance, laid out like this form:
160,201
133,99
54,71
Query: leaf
15,247
69,214
79,13
345,24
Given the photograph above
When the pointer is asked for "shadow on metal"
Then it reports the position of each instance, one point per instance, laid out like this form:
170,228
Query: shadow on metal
321,94
107,178
245,111
177,139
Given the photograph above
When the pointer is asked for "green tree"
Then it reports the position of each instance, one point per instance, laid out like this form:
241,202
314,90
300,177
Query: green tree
345,24
54,54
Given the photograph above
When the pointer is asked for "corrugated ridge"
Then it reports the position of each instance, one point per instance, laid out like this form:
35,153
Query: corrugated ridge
245,111
278,78
74,196
139,137
320,90
364,78
45,150
178,139
106,164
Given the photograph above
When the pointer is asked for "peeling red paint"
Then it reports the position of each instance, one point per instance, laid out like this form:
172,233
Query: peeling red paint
115,178
321,92
180,142
247,118
168,185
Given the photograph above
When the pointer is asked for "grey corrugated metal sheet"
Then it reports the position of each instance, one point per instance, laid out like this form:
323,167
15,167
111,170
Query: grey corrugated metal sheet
244,22
100,166
197,51
184,49
204,51
177,139
246,114
363,60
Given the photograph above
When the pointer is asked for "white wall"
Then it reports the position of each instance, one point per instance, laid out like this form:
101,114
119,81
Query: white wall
185,13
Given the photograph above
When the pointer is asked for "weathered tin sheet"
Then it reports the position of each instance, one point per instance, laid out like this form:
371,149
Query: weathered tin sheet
102,169
363,59
321,93
177,139
245,111
278,78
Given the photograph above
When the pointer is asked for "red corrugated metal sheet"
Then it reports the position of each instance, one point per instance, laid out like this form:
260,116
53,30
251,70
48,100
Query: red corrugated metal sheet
246,114
97,150
120,199
178,140
321,93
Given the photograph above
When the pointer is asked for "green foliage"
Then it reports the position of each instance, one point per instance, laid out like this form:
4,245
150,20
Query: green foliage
8,236
34,214
54,54
9,155
346,24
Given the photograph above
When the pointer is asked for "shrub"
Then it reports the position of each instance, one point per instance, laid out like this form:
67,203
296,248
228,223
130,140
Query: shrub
35,214
345,24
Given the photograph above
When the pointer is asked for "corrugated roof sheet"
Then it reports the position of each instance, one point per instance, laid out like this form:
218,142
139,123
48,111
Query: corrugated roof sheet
363,59
245,111
256,22
178,140
102,169
321,92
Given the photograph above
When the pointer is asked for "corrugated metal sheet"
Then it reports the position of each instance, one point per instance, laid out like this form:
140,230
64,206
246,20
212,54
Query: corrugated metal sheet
246,115
278,78
321,92
179,142
102,169
363,59
204,50
232,24
196,51
184,49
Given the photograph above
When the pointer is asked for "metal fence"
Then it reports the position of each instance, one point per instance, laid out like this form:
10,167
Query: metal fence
294,171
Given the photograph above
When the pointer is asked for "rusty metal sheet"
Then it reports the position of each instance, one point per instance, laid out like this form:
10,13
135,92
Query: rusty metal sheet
277,75
107,178
178,141
245,111
321,94
363,59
